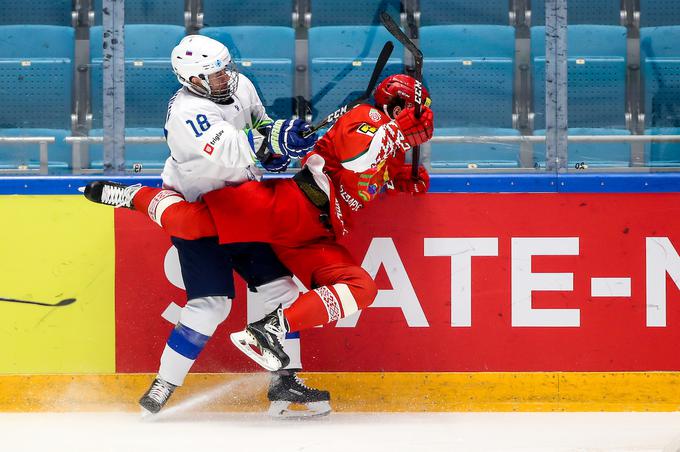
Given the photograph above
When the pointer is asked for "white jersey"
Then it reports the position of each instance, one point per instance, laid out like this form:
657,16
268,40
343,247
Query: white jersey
208,146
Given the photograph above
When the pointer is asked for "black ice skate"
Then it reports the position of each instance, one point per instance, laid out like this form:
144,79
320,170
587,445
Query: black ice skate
110,193
265,336
291,398
157,395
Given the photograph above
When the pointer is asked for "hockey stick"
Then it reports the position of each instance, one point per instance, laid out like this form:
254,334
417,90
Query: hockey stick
379,66
64,302
395,31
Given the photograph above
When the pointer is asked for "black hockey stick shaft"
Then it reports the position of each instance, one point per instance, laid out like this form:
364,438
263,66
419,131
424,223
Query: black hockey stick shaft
380,64
64,302
395,31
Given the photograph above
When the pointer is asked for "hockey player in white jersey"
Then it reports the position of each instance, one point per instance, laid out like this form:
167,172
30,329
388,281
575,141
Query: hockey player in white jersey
217,131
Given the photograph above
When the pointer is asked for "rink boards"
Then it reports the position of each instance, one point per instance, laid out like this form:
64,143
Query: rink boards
514,301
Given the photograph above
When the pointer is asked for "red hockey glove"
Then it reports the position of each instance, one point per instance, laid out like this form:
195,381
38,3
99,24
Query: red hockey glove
405,183
416,130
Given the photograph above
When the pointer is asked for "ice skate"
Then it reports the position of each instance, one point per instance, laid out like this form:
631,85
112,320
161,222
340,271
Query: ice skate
264,336
110,193
291,398
157,395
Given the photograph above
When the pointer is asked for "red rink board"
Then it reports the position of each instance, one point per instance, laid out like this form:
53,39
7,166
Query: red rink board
606,236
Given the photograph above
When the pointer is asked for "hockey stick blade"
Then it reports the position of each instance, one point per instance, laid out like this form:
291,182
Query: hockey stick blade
64,302
380,64
395,31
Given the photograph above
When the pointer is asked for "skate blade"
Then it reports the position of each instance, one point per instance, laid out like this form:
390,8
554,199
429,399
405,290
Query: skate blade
245,342
282,410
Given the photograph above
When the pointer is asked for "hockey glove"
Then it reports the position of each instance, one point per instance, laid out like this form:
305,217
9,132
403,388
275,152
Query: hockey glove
404,182
286,137
275,163
416,130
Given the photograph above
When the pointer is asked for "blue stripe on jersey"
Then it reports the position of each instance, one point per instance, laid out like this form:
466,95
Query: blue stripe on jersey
186,341
293,335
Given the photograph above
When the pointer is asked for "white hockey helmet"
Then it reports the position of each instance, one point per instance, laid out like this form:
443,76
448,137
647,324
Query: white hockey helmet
200,56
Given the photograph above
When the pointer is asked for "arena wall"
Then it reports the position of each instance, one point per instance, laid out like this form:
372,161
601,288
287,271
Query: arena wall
488,301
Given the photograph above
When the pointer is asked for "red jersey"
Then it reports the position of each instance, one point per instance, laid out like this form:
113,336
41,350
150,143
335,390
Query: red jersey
362,152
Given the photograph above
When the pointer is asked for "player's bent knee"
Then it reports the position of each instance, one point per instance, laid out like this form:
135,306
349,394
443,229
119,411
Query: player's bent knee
362,287
367,293
206,313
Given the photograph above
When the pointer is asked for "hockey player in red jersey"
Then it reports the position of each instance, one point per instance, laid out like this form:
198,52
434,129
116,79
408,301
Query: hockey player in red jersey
362,155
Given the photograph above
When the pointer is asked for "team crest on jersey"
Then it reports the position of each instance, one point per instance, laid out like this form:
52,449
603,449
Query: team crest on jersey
374,115
367,129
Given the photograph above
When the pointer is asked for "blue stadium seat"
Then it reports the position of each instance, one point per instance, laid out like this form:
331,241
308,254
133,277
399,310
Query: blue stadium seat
36,71
149,85
151,156
654,13
14,156
252,12
46,12
596,76
342,60
148,12
662,154
594,155
474,155
352,12
600,12
660,60
468,70
270,66
479,12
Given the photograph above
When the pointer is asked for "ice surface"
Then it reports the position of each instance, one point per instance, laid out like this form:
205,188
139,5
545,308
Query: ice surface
393,432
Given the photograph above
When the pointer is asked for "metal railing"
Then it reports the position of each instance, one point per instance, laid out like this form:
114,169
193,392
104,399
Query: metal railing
81,160
81,157
23,167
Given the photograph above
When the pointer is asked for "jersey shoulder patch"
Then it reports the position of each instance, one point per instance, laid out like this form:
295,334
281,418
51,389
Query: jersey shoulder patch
367,129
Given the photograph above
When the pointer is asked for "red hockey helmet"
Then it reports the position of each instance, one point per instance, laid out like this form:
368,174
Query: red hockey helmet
398,90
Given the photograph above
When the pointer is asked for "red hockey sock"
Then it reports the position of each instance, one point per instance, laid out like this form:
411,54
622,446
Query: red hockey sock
143,198
308,311
179,218
323,305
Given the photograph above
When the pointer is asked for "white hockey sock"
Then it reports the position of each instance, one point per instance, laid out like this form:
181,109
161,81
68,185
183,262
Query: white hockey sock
198,321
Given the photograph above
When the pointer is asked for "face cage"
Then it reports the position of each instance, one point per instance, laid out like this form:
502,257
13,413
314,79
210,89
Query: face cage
223,95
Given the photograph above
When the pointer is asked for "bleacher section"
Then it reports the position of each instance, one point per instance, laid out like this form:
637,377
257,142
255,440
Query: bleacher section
341,60
596,92
468,70
149,84
660,60
484,67
36,70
